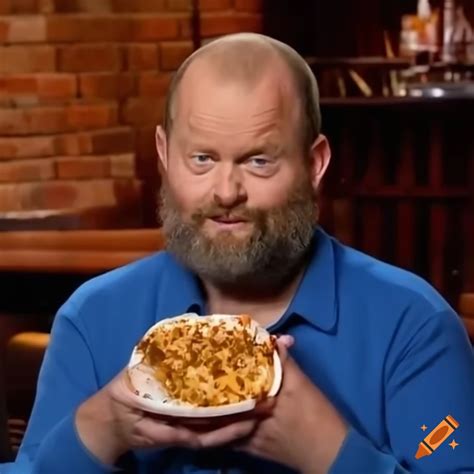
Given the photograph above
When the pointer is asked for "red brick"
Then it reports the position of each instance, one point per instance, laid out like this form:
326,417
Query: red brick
38,120
18,84
45,6
142,57
116,28
26,59
128,192
179,5
173,54
44,87
186,27
23,6
5,7
88,28
214,5
117,140
26,147
113,140
64,29
139,6
46,120
9,197
215,24
146,167
27,170
57,86
66,6
4,30
90,57
107,86
156,28
87,116
142,111
153,84
122,166
26,6
63,194
89,6
83,167
26,29
249,5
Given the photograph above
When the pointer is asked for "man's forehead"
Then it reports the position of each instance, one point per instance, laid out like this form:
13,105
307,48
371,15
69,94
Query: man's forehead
211,101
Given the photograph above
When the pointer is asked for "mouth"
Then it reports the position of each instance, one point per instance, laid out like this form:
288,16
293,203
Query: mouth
228,222
228,219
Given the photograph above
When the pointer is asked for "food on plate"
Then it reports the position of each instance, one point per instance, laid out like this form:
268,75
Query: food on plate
210,361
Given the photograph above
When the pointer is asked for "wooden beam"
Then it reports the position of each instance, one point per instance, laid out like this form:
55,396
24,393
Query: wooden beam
75,251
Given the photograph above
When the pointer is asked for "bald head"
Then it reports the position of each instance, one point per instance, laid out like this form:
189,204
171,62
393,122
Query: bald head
245,59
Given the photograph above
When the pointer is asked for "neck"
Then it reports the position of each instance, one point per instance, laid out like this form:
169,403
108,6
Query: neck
265,305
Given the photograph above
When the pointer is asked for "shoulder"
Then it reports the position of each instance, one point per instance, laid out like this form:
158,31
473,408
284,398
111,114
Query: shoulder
400,308
384,284
119,287
112,311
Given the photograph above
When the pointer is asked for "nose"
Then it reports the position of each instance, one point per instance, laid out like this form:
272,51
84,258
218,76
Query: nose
229,190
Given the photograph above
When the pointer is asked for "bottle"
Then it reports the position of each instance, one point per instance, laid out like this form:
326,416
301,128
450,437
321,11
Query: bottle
448,55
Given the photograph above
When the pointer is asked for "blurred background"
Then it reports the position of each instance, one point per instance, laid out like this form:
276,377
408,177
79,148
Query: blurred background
82,87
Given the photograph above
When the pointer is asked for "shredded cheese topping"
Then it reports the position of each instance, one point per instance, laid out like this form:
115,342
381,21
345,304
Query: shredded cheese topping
208,362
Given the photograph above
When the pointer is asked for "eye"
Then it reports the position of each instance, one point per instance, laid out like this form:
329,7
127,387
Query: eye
259,162
201,159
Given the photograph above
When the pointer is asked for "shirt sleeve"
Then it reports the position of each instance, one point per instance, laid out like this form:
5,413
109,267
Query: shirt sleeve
429,375
359,455
67,378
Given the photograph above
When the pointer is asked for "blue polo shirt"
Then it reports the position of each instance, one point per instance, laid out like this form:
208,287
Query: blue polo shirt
385,348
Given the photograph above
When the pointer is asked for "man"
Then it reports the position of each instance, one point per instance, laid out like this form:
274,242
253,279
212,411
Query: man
376,356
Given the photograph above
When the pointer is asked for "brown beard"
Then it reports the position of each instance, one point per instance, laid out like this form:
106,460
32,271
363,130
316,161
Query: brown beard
269,257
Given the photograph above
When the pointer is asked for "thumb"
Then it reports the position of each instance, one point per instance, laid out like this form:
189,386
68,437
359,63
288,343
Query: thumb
283,344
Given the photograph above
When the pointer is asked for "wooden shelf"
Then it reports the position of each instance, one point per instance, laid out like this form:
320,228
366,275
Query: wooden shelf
394,102
75,251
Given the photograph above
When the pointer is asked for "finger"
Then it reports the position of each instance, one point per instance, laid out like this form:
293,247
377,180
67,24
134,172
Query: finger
122,391
282,350
265,407
227,434
286,340
164,434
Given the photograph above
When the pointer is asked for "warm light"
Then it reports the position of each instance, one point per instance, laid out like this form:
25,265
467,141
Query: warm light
437,92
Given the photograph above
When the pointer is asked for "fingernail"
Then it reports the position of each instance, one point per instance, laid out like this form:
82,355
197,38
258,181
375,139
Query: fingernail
287,340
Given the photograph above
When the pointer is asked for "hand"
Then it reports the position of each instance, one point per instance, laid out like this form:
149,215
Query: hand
111,415
306,441
109,424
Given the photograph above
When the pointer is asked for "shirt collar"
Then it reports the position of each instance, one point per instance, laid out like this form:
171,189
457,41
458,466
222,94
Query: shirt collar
315,299
179,291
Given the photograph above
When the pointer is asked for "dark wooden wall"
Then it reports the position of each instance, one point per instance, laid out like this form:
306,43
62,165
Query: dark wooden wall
401,185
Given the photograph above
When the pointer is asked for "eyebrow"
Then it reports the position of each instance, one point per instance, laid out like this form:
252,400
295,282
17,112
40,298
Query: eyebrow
272,148
269,147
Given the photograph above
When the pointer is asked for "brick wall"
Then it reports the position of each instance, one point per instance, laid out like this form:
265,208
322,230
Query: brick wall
82,85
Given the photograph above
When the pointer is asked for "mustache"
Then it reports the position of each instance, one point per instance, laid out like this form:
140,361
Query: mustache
214,211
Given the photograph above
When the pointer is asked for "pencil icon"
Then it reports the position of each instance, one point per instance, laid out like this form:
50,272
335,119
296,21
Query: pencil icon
437,437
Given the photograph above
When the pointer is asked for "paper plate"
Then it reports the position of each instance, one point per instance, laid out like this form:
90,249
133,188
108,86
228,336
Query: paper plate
149,395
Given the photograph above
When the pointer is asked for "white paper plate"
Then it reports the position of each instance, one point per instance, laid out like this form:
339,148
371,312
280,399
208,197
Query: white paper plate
152,398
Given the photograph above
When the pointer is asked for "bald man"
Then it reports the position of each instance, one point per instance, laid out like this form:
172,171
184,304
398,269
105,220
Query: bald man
373,356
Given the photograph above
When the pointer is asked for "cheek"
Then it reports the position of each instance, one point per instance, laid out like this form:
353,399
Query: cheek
273,192
189,193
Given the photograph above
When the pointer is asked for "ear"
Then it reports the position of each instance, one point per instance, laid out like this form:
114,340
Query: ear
320,156
161,147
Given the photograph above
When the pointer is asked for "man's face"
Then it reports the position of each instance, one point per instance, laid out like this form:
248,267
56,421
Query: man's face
237,195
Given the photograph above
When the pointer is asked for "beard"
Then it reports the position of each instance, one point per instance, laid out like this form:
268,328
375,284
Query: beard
269,256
